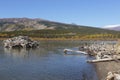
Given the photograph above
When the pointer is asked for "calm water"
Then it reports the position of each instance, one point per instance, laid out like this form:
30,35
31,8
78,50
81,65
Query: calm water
48,62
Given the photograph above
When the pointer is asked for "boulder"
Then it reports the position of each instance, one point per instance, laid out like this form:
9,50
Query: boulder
20,41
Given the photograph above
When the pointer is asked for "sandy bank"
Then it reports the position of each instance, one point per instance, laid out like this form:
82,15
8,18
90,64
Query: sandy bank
102,68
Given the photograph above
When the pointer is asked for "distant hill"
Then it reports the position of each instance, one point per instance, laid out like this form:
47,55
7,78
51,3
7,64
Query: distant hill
16,24
40,28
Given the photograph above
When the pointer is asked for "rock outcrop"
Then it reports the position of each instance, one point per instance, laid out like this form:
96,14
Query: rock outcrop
20,41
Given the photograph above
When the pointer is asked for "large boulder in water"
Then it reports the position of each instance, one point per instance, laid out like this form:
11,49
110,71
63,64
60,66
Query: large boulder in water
20,41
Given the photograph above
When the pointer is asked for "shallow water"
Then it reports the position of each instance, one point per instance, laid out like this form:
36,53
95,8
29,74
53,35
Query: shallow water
48,62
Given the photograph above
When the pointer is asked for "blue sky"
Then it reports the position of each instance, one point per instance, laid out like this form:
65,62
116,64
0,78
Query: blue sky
97,13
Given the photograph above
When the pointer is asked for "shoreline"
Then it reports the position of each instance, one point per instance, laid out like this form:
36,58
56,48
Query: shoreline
63,39
102,68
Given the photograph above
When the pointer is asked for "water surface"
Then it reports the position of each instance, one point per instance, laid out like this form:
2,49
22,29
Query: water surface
48,62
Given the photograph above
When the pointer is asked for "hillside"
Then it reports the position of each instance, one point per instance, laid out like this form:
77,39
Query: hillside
39,28
16,24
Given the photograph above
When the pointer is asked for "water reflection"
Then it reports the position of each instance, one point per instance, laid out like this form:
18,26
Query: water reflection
30,53
16,52
45,63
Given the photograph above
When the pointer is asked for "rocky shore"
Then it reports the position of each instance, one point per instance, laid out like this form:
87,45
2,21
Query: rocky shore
102,68
106,61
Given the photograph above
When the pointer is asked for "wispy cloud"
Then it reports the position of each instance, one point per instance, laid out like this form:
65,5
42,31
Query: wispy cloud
111,26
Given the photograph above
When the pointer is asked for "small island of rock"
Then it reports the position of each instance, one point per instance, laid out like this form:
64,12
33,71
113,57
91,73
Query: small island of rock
20,41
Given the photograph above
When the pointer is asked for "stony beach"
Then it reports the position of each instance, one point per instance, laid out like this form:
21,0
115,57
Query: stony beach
102,68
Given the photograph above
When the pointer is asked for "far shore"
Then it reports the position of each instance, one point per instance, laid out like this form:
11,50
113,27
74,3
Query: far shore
66,39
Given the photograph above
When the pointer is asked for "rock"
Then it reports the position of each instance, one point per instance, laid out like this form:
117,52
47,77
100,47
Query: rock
113,76
110,76
20,41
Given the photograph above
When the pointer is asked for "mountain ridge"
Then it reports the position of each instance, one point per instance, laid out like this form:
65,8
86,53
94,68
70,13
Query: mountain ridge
16,24
40,28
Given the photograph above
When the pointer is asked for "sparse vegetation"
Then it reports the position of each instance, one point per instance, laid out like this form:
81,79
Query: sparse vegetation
83,34
53,30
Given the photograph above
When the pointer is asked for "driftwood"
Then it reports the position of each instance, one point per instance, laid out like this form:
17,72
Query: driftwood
69,50
105,59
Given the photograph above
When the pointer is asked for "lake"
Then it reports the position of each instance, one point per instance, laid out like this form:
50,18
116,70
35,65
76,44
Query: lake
47,62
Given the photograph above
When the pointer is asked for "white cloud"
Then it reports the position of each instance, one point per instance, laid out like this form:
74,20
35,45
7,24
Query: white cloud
111,26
